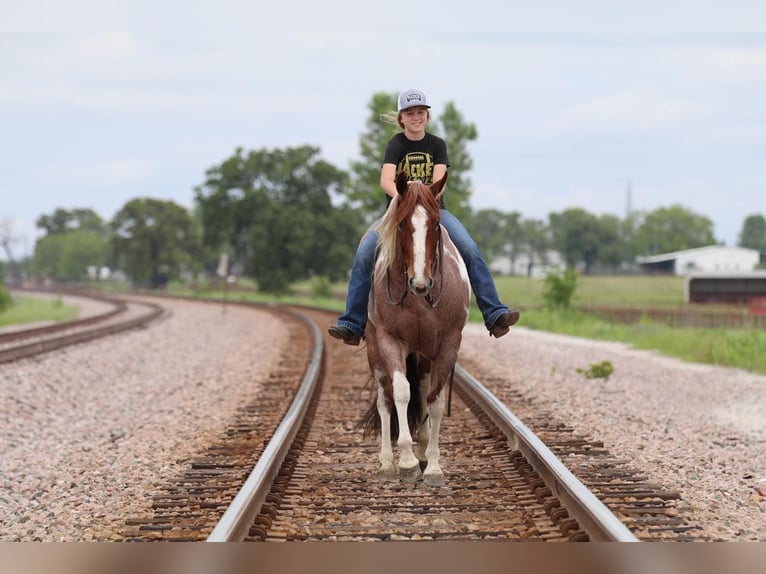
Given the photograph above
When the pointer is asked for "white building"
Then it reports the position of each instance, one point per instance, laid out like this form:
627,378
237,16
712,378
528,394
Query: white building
552,263
713,258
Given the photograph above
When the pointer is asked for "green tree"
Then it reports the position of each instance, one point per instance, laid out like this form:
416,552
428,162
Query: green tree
753,234
450,124
365,190
487,229
154,241
611,250
498,234
628,237
535,242
75,240
63,220
457,132
275,209
5,297
66,255
674,228
7,239
577,235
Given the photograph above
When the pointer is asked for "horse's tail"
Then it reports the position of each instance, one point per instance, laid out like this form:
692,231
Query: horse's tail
370,421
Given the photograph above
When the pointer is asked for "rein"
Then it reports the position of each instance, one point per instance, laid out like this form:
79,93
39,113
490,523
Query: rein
440,270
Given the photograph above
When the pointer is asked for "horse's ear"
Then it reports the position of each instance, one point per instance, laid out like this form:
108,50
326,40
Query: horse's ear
437,188
401,183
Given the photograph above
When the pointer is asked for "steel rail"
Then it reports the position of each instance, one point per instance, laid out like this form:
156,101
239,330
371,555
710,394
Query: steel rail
591,514
54,343
22,333
238,517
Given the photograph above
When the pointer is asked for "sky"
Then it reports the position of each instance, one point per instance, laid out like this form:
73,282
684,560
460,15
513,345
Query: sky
607,106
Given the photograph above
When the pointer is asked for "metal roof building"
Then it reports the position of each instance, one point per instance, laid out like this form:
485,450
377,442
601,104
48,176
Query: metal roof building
710,259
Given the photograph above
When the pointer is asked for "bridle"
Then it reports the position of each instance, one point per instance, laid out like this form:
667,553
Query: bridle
436,265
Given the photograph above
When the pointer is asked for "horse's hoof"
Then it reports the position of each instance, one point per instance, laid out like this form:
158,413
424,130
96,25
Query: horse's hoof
410,474
434,479
387,474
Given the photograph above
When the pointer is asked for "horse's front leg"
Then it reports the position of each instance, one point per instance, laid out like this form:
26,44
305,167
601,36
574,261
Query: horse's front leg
386,457
424,385
433,475
409,468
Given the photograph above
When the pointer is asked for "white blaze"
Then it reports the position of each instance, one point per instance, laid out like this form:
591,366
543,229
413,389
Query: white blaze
419,223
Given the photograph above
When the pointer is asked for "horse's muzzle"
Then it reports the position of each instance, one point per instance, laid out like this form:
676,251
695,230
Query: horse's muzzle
420,287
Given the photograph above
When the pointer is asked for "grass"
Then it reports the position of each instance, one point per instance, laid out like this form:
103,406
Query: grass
726,347
621,291
738,348
34,309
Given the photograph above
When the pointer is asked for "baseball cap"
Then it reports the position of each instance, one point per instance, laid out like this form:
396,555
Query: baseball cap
412,98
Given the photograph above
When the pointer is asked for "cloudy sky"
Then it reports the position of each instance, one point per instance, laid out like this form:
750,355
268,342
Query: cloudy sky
575,102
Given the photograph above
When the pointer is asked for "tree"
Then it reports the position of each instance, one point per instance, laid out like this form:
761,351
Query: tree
611,250
154,241
487,229
75,240
457,133
367,194
63,220
274,209
496,233
7,239
535,242
5,297
66,256
365,190
576,234
674,228
753,234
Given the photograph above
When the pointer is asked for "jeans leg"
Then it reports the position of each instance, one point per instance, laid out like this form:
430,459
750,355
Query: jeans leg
482,283
360,282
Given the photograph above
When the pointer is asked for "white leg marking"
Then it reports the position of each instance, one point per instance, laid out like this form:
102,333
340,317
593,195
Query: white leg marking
386,456
407,458
433,474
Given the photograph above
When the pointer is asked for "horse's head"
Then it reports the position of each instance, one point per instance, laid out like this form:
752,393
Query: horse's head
419,232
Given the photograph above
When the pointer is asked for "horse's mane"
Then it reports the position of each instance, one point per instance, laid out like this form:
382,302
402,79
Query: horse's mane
401,207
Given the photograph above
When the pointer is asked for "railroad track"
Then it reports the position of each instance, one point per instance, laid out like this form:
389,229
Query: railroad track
316,479
123,315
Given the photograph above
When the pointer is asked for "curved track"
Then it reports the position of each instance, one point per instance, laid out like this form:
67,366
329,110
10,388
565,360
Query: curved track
320,482
295,466
124,314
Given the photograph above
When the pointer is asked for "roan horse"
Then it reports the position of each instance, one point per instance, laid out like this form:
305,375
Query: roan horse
417,310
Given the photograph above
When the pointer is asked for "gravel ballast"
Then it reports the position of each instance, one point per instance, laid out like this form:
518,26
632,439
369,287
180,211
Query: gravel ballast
88,432
697,429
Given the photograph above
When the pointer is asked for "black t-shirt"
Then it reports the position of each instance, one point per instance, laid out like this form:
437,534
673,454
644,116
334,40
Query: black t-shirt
416,158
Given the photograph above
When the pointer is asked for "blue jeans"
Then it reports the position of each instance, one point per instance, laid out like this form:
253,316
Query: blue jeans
360,283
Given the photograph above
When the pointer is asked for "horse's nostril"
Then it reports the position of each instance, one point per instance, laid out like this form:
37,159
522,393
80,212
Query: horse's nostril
420,287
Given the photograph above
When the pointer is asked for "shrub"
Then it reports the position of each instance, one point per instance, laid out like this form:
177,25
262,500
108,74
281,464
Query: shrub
602,370
559,289
321,287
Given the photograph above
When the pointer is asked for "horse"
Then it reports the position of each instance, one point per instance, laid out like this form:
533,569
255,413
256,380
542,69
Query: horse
417,309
